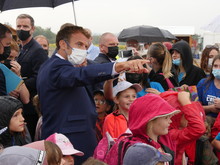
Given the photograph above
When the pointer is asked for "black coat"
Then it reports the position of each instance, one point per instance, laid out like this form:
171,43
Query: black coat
2,84
31,57
102,58
193,77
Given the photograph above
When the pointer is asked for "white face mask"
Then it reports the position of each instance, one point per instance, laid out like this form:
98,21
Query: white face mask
77,56
210,62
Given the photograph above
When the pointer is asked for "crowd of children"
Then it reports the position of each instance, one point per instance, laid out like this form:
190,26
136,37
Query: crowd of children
140,119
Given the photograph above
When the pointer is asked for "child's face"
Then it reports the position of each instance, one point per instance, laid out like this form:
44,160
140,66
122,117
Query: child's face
100,103
125,99
67,160
160,125
17,122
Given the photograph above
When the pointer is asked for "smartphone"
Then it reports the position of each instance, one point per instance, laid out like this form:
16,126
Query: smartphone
7,63
126,53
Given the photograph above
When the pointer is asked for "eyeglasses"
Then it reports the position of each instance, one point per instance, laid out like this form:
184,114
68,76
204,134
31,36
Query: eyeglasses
212,46
101,102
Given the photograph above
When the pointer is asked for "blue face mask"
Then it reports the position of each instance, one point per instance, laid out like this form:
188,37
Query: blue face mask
216,73
176,61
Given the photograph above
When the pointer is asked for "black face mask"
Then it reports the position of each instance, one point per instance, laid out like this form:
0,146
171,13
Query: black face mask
112,51
6,53
23,34
134,77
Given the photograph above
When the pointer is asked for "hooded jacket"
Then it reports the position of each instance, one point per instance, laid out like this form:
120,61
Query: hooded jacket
9,106
142,110
145,109
193,73
187,136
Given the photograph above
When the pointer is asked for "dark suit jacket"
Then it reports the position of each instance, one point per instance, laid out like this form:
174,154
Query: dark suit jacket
102,58
66,105
31,57
2,84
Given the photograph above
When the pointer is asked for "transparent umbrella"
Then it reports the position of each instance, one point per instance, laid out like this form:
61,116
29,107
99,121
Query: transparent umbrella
213,26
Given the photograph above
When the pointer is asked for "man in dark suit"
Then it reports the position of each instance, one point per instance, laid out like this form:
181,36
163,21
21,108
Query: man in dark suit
66,104
108,45
30,58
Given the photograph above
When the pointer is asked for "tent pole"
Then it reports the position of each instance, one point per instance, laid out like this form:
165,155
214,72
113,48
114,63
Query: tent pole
74,13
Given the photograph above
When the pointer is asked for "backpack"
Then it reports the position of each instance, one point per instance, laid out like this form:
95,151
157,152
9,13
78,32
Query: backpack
103,147
112,152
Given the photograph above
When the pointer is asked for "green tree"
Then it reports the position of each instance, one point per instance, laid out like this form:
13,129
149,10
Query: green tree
46,32
96,39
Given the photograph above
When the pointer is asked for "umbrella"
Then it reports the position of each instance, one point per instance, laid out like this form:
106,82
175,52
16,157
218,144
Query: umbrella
213,26
168,35
16,4
145,33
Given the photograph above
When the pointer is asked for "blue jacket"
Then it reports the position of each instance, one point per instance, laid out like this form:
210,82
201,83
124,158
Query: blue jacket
67,106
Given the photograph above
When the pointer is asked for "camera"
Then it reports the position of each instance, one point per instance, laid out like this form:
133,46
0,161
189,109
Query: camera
7,63
126,53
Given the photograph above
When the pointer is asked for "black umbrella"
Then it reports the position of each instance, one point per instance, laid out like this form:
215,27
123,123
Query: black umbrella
168,35
145,33
16,4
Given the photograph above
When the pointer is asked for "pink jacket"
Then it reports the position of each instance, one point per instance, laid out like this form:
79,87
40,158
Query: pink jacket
184,137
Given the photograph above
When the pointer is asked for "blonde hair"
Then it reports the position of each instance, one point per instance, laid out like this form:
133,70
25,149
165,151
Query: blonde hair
54,154
163,57
14,46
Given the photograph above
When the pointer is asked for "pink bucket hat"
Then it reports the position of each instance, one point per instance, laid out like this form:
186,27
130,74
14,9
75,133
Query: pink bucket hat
147,108
65,145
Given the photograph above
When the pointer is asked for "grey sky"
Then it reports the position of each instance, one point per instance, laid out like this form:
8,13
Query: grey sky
114,15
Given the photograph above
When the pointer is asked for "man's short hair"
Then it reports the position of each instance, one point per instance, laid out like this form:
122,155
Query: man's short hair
103,37
3,30
43,37
65,25
23,16
65,34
